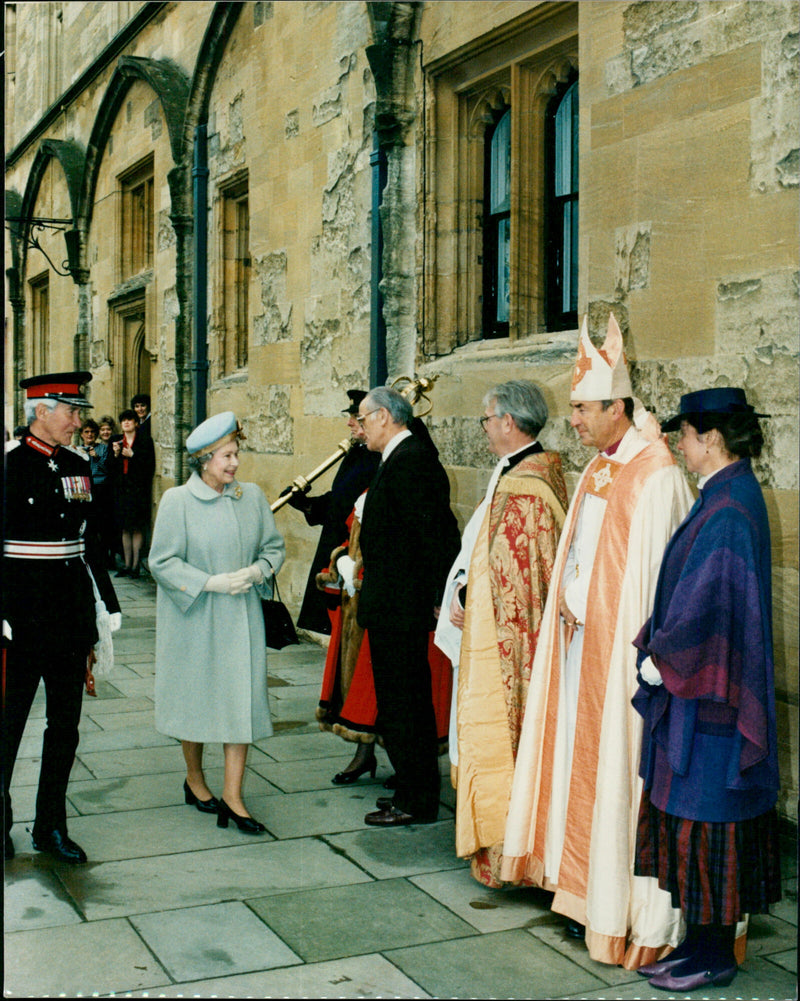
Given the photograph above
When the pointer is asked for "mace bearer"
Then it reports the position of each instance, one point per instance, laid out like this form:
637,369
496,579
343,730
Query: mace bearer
414,389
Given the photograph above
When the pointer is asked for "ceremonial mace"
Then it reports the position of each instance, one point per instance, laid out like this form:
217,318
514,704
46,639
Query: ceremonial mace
414,391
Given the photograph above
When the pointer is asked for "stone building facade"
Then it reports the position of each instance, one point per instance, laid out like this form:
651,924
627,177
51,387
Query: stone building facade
265,204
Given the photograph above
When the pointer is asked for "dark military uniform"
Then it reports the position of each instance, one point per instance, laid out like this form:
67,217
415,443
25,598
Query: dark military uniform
49,603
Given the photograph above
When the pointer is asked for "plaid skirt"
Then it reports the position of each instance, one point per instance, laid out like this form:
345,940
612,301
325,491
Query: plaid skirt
715,872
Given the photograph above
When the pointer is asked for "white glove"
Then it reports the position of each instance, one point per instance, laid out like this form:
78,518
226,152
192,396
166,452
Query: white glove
221,583
254,573
238,582
650,673
347,567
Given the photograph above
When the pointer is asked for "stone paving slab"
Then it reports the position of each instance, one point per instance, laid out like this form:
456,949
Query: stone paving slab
402,851
359,977
37,899
26,773
126,738
362,918
114,702
83,960
23,798
486,909
296,747
304,775
321,811
297,700
144,792
164,756
236,872
553,934
212,941
510,964
122,719
174,830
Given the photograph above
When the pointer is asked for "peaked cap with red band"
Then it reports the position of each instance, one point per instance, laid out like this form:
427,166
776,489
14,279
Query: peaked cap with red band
65,387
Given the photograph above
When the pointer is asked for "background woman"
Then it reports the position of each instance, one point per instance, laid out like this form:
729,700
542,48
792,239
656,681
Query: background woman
101,457
214,554
708,827
107,429
135,464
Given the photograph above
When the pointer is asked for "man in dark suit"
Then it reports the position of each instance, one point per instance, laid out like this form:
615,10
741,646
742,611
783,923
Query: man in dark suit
409,539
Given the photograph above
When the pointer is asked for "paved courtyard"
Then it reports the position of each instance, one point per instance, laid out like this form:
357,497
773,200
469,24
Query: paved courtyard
321,907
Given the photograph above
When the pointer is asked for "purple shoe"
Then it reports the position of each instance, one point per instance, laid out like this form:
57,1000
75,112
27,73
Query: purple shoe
694,981
661,966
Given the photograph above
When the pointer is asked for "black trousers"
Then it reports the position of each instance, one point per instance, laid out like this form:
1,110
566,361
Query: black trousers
63,673
406,718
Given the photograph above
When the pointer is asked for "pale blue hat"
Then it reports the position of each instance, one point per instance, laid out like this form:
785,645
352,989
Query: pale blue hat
214,432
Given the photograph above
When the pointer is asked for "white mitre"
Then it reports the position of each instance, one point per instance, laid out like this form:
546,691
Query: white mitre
602,374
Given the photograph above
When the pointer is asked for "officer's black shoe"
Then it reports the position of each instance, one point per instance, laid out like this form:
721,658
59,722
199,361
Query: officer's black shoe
8,848
574,929
58,844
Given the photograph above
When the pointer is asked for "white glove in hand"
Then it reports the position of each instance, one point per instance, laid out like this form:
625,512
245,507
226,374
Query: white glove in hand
242,580
346,567
650,673
255,575
221,583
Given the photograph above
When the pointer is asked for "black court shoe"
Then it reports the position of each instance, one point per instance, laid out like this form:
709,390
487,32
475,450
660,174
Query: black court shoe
203,805
247,825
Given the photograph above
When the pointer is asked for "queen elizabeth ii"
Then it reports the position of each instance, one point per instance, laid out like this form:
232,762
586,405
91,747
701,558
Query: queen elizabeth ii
214,554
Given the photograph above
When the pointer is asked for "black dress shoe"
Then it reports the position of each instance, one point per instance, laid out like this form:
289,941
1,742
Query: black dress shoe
389,818
247,825
574,929
203,805
8,848
58,844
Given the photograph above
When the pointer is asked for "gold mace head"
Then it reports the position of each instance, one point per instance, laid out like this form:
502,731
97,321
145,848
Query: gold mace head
416,389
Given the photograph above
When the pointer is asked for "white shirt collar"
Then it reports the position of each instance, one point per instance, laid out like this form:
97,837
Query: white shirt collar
391,445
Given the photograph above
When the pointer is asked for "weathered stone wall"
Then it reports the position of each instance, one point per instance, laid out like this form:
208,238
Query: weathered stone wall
60,40
298,118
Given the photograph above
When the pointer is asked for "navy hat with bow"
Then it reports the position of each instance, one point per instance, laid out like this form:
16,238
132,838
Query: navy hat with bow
694,407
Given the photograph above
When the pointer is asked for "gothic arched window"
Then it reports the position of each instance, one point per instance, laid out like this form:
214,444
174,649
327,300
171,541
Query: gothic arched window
562,208
497,227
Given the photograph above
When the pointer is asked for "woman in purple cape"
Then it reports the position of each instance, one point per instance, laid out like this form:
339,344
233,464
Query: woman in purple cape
708,825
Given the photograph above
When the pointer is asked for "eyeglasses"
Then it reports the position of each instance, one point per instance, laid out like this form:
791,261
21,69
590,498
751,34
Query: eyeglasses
362,417
485,420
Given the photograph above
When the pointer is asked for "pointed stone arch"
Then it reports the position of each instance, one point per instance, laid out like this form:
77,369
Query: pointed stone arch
169,84
71,158
215,40
485,107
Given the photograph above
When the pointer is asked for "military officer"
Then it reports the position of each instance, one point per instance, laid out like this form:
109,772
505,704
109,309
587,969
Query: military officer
50,555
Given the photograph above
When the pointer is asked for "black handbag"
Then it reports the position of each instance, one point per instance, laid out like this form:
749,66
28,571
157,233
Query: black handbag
278,626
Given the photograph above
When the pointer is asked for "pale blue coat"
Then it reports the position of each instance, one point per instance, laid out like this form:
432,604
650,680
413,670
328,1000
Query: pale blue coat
211,657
